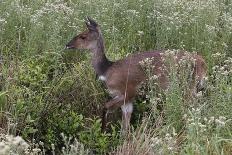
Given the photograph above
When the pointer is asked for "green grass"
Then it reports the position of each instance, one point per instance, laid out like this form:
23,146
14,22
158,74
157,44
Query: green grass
46,90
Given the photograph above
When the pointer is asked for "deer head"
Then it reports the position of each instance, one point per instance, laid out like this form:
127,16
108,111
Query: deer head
87,39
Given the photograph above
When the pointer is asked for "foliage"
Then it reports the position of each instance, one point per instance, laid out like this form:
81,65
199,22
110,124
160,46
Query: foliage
47,90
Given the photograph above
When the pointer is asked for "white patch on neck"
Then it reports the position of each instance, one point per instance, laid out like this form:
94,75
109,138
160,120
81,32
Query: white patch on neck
102,78
127,108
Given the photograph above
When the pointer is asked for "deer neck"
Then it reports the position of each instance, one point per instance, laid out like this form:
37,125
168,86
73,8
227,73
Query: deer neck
99,59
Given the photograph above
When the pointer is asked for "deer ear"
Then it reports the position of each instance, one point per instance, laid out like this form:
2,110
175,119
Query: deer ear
91,24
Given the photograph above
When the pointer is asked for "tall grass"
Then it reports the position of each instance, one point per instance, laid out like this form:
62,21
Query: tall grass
47,90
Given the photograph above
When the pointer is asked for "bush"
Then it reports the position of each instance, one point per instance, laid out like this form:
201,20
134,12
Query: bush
47,90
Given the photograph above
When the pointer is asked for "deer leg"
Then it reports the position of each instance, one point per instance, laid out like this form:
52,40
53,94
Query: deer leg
122,100
115,103
104,119
127,110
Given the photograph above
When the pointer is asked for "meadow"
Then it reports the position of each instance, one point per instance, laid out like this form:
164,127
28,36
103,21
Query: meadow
51,101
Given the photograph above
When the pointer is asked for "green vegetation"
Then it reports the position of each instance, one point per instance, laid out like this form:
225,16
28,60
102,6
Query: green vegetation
50,96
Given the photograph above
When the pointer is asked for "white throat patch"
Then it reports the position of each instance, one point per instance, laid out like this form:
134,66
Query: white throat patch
102,78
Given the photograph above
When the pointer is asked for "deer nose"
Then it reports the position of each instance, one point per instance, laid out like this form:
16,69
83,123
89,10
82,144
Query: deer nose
68,46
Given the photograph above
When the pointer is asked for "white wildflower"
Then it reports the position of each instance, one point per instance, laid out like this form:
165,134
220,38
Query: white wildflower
140,33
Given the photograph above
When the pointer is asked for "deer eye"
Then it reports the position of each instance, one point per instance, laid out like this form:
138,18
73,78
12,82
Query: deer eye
82,37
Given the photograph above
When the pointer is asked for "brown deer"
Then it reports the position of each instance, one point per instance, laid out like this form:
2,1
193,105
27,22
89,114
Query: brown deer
123,77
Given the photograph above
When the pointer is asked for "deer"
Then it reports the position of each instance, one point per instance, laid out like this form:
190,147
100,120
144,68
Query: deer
123,77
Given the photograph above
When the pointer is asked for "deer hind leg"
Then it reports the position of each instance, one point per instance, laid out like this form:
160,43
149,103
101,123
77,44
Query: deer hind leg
127,110
199,85
200,76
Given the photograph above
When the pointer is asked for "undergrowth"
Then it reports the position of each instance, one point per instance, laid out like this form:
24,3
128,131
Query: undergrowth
51,100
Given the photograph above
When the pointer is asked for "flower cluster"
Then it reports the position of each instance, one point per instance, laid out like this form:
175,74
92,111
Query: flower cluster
16,145
12,145
148,65
166,143
225,68
72,147
3,21
57,7
147,62
199,124
182,12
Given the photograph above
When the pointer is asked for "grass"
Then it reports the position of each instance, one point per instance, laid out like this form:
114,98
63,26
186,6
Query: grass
46,90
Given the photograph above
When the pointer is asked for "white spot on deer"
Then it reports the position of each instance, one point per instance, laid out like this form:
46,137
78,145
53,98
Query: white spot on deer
102,78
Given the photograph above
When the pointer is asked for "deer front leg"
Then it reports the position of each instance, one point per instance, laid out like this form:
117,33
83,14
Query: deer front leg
104,119
110,105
